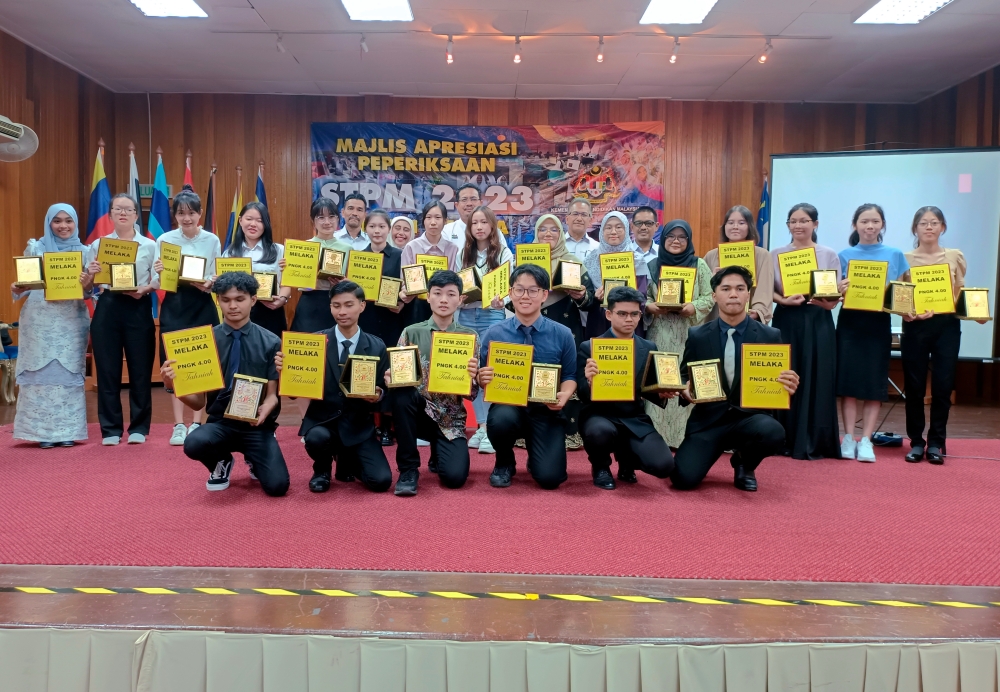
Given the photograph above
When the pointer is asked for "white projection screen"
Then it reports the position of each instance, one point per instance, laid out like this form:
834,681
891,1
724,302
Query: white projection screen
964,183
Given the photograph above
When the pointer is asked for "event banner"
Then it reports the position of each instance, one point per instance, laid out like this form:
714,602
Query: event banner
615,379
932,292
170,257
197,367
449,363
522,172
62,275
304,369
113,251
866,285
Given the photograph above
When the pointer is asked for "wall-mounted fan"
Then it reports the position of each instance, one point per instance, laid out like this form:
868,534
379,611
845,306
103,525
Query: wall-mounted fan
17,142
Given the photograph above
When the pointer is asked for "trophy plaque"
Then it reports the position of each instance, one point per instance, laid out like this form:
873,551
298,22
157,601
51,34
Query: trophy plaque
192,269
899,298
823,283
388,292
331,263
29,272
568,276
247,395
973,304
357,378
608,285
706,381
122,277
267,283
472,284
404,366
670,294
415,279
662,373
544,383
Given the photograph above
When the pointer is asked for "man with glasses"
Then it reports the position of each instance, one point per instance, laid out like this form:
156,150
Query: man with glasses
578,217
643,230
542,426
354,212
622,427
468,199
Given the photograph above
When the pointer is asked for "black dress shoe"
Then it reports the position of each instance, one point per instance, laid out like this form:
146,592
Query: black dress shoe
406,486
603,479
627,475
745,480
384,438
46,445
935,455
916,455
320,482
67,443
432,465
500,478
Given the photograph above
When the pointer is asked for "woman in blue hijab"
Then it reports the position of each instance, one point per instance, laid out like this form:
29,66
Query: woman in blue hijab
52,341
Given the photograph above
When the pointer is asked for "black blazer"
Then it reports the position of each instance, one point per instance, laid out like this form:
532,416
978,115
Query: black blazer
703,343
631,414
351,419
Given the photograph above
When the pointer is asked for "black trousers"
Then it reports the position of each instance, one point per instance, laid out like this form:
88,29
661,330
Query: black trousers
412,422
544,433
603,437
323,443
216,441
751,437
123,326
935,341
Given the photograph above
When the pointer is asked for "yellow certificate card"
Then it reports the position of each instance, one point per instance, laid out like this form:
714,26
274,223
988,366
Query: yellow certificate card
450,356
170,258
233,264
761,365
933,288
301,263
432,263
113,251
511,365
197,368
615,379
535,253
365,269
496,284
739,254
304,369
618,265
685,274
866,290
796,268
62,275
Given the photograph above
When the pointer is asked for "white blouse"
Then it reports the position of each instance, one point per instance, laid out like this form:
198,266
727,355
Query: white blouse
256,253
144,258
204,244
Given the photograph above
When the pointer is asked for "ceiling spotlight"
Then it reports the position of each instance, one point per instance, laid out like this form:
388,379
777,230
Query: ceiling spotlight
600,50
364,46
517,49
763,56
447,52
677,49
281,46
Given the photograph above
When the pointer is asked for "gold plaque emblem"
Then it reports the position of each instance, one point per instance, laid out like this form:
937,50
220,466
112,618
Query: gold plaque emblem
192,269
404,366
706,381
266,282
29,272
670,293
331,263
974,304
357,379
899,298
544,383
569,276
247,395
388,292
123,277
415,279
824,284
471,284
610,284
662,372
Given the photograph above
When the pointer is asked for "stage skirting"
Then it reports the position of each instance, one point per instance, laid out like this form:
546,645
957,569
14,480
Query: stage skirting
52,660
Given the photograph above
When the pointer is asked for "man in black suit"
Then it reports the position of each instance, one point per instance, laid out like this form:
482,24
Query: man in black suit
717,426
622,427
336,426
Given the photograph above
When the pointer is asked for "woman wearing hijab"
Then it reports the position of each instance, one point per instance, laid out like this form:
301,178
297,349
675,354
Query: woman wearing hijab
402,229
51,406
669,329
614,237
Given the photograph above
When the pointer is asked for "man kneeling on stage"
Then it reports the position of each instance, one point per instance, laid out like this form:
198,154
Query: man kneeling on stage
717,426
622,427
246,349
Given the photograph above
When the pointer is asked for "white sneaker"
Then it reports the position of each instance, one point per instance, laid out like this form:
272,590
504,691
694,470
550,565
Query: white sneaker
423,443
136,438
193,427
866,452
848,447
111,441
485,446
477,437
180,432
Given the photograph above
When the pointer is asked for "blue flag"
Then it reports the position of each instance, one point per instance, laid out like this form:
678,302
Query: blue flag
159,210
259,193
764,216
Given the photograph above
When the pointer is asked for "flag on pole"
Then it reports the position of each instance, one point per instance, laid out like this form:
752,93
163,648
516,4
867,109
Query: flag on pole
99,216
764,216
133,186
210,204
188,178
259,193
234,215
159,210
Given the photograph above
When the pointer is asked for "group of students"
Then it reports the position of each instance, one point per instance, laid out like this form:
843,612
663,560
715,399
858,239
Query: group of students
726,308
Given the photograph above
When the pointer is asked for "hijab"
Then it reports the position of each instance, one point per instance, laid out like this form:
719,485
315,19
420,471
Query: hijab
682,259
407,219
593,261
53,243
556,255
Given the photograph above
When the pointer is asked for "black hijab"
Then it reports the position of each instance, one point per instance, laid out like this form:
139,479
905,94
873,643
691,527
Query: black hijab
668,259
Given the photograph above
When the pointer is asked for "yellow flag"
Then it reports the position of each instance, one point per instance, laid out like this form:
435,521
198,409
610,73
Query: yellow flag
304,369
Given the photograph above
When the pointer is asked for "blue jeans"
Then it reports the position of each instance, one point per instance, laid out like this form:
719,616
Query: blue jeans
480,319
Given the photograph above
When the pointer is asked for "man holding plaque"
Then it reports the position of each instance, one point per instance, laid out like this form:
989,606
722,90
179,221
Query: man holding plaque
721,425
542,426
438,418
622,427
244,348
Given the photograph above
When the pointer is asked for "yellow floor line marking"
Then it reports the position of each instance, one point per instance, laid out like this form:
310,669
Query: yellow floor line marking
958,604
334,592
88,589
451,594
638,599
766,601
899,604
394,594
702,601
573,597
828,602
155,590
276,592
215,591
510,596
34,589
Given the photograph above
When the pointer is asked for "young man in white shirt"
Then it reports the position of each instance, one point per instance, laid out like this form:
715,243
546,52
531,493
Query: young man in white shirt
355,209
468,199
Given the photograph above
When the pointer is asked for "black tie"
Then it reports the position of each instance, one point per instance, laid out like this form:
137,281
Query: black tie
345,352
233,364
526,329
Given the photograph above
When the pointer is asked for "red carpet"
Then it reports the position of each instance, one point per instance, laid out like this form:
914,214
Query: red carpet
821,520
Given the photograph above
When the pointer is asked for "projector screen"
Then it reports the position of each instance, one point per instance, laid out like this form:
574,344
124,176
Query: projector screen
965,184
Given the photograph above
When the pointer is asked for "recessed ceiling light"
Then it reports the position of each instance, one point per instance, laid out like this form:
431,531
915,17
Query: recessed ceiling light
901,11
677,11
169,8
378,10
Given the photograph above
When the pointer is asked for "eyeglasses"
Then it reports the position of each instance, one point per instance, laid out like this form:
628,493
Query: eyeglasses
929,224
644,224
518,291
579,214
676,238
621,314
122,210
741,222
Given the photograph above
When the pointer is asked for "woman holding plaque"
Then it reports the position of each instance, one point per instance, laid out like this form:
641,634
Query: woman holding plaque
669,328
614,237
402,230
432,218
312,313
192,304
51,405
255,239
811,427
864,338
931,336
739,227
